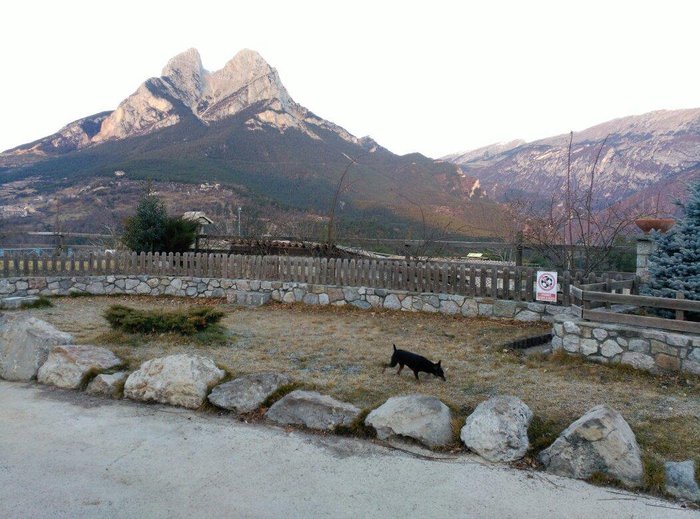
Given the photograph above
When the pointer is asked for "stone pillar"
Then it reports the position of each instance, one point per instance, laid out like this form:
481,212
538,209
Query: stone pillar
645,246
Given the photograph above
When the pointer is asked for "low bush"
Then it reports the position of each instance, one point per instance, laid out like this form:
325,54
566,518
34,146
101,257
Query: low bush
184,322
42,302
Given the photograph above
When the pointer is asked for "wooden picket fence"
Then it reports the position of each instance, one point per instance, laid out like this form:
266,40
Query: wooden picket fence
501,282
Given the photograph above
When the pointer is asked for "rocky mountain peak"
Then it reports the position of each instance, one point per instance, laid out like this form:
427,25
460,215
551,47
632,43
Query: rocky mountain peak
245,79
185,75
185,63
185,89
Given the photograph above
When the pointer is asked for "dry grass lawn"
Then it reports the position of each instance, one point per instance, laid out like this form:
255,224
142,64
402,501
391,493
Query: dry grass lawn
341,352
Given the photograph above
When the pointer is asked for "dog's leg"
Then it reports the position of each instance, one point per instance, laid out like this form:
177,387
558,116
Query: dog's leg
416,375
400,368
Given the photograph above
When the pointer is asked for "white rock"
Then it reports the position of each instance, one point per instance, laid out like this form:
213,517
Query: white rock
680,480
571,343
527,316
181,379
600,334
312,410
392,302
610,348
599,441
70,366
571,327
247,393
449,307
109,385
638,360
497,429
420,417
589,346
25,343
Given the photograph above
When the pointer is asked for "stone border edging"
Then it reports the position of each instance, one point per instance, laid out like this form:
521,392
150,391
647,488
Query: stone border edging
650,350
256,292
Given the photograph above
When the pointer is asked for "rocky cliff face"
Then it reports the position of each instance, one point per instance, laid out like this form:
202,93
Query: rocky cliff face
651,153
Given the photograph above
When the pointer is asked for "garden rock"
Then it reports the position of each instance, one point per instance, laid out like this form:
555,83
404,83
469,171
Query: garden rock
246,394
71,366
25,343
599,441
497,429
181,379
680,480
111,386
420,417
14,303
312,410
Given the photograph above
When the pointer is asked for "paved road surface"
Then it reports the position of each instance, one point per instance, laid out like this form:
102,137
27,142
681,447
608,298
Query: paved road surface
65,454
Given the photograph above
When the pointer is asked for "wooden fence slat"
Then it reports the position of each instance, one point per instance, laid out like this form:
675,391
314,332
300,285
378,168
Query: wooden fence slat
639,320
494,282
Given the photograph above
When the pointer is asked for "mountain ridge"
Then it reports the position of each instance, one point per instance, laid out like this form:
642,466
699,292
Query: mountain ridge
240,127
650,153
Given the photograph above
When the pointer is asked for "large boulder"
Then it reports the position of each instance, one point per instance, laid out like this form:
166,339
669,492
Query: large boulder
247,393
599,441
680,480
72,365
25,343
109,385
420,417
312,410
497,429
182,380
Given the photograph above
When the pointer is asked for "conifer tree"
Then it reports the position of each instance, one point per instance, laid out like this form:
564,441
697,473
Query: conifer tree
675,264
150,229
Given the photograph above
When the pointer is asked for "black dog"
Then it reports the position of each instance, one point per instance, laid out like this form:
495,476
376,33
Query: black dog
415,362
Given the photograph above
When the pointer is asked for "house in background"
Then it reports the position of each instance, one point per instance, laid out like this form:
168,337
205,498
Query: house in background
200,217
202,222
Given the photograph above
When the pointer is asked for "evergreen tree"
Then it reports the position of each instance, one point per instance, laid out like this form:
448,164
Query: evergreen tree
145,230
179,234
675,264
150,229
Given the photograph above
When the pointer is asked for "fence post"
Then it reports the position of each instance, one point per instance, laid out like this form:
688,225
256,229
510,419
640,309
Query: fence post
680,314
566,289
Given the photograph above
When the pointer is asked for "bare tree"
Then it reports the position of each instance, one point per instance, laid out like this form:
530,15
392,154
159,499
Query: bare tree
572,232
340,189
432,240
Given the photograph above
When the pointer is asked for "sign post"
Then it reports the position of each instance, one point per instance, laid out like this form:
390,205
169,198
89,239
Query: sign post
546,287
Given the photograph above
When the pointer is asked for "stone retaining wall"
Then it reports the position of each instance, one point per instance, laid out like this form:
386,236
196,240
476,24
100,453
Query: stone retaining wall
240,291
647,349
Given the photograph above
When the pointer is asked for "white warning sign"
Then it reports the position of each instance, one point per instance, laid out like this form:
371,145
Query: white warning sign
546,287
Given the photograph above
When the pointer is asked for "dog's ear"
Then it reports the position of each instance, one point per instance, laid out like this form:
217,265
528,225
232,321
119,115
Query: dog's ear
438,363
394,345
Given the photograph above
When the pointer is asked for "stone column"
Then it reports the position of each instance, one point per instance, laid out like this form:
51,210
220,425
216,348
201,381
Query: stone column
645,246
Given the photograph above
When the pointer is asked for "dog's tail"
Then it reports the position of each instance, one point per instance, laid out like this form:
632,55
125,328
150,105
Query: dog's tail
394,345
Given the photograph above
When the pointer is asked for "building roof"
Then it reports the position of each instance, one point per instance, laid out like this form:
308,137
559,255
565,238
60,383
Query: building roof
198,216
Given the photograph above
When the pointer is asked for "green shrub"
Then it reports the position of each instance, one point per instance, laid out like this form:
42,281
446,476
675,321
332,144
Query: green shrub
184,322
42,302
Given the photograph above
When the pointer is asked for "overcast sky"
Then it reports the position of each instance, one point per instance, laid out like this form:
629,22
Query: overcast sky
429,76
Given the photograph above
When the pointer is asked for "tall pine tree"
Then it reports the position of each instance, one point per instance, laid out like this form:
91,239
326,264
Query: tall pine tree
675,264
